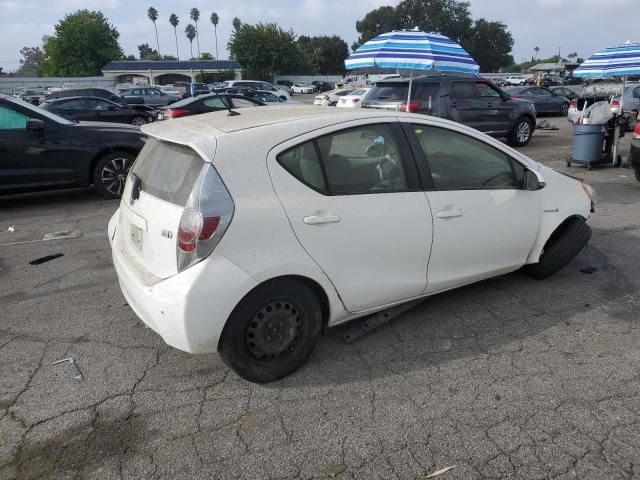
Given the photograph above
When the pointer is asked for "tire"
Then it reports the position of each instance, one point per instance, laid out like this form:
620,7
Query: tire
564,110
138,120
333,104
110,173
283,98
521,132
259,355
637,173
560,249
632,121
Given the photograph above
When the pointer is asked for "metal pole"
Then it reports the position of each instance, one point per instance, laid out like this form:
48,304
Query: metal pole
616,135
408,109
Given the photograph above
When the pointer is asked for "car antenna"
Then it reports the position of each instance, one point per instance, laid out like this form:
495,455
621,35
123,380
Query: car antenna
232,113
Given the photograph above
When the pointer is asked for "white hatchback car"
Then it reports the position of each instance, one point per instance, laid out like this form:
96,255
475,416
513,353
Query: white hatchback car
248,234
330,99
303,88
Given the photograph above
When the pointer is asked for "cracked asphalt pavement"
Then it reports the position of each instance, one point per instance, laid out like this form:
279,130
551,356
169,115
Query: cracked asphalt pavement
508,378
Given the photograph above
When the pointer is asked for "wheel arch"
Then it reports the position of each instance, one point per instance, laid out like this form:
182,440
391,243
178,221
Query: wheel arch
310,283
541,243
106,151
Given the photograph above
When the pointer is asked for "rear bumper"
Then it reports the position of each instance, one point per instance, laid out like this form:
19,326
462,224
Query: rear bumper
188,310
634,157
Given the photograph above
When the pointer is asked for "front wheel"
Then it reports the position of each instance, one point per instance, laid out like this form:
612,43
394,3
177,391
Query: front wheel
521,133
272,331
560,249
564,110
138,121
110,173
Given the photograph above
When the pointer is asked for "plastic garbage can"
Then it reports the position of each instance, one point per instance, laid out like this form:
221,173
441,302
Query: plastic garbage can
587,143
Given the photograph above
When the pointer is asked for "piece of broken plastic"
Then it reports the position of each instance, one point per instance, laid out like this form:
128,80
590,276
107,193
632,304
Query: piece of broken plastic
12,228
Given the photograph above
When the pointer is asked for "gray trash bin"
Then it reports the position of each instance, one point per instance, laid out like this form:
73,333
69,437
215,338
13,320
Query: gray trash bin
587,143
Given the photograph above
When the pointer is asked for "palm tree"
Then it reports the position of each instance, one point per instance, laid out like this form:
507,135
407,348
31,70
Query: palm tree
191,34
537,49
215,20
152,13
236,24
195,16
174,21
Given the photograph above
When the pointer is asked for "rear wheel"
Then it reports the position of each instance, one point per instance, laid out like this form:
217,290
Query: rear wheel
632,121
521,132
560,249
110,173
272,331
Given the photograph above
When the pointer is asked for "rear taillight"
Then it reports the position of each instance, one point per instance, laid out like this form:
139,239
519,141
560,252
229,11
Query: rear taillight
205,218
413,106
573,104
355,100
174,112
636,131
615,104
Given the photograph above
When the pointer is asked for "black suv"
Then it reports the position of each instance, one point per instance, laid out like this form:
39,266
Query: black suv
473,101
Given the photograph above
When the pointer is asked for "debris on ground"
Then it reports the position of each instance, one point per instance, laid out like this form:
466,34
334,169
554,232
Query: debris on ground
440,472
588,270
46,258
11,229
63,234
545,125
73,366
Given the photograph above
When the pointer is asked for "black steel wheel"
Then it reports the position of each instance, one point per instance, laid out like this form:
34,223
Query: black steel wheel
110,173
564,110
138,121
272,331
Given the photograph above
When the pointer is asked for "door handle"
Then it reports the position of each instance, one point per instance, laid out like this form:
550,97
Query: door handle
449,213
321,219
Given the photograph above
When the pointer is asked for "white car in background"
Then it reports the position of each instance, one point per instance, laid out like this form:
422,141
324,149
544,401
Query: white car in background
516,80
354,99
303,88
257,85
169,90
254,258
330,99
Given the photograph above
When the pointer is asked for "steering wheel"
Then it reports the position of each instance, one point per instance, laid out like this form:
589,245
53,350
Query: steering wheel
507,180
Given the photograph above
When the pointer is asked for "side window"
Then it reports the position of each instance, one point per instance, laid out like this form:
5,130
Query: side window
355,161
12,120
243,103
267,87
486,90
460,162
75,104
544,92
303,163
214,102
463,90
99,104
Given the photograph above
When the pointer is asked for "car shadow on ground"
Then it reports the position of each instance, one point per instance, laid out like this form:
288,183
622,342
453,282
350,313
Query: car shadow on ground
478,321
86,196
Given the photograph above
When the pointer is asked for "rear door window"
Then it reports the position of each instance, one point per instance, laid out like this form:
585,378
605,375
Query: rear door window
167,171
463,90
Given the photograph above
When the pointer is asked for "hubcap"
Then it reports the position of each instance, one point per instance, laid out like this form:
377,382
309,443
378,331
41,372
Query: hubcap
564,110
523,132
274,330
114,175
139,121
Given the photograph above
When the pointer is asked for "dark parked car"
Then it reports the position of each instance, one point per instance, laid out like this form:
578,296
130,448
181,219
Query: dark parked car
32,96
635,151
323,86
191,89
82,92
551,81
287,83
43,151
150,96
469,100
205,104
100,110
564,92
544,99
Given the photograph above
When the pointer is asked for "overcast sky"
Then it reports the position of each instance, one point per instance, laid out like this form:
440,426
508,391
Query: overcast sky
573,25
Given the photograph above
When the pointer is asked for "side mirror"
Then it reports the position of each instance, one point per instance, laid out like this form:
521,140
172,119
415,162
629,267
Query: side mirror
533,180
35,124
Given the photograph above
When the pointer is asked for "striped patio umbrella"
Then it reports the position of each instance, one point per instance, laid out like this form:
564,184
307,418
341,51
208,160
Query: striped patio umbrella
614,61
413,50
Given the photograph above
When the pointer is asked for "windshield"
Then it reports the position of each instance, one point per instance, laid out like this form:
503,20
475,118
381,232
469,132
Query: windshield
41,111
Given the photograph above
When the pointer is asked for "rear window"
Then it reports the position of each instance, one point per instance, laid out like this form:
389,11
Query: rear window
167,171
395,92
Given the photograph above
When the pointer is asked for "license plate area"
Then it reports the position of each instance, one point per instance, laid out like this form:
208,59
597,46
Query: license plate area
135,236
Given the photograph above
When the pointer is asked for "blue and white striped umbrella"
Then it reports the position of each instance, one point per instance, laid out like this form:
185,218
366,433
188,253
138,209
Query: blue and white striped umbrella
413,50
614,61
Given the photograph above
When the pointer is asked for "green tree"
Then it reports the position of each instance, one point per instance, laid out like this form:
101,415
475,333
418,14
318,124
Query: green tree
572,56
264,50
326,53
195,16
174,21
152,13
130,58
31,62
191,34
82,44
237,24
215,19
206,56
448,17
537,50
147,53
490,44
